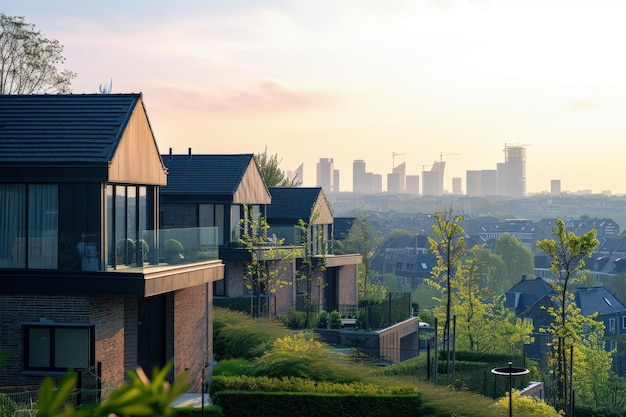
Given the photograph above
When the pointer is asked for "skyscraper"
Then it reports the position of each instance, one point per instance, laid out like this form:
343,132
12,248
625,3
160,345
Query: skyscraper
325,174
515,171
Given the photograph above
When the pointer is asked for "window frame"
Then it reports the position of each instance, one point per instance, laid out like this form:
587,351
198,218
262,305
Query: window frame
53,327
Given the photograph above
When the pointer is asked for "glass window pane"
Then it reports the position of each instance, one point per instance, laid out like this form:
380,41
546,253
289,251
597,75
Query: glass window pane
12,226
235,226
38,347
43,211
121,245
110,230
219,222
71,347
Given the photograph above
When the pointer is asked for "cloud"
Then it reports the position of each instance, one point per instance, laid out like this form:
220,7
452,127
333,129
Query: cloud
264,96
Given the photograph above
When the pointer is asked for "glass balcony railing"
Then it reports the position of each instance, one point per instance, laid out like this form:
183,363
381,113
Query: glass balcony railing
166,247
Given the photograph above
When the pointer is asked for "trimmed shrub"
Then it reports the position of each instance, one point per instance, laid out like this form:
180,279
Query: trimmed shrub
294,319
335,320
323,320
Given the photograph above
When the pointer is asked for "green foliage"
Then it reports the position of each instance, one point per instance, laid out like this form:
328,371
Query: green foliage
8,407
294,319
209,411
288,404
335,320
237,335
302,355
363,239
391,282
491,271
519,260
29,60
231,367
138,397
323,322
295,384
272,175
528,406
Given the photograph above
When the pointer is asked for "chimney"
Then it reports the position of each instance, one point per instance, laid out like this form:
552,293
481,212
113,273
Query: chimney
523,277
189,153
170,153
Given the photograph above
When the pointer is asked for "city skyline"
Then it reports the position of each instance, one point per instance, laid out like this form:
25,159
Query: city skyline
386,83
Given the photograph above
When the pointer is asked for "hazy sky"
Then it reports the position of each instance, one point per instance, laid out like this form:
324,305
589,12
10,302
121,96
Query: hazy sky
362,79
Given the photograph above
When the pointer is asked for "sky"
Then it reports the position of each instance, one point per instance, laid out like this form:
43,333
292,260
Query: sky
388,82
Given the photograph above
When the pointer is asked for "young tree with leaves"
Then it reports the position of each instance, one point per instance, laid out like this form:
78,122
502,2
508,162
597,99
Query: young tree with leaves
313,265
271,172
264,271
449,248
567,253
29,61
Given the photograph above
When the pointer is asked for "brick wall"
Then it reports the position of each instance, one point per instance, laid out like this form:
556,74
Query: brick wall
105,313
192,348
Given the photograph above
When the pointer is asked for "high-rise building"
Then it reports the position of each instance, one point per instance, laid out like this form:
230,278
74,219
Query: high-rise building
473,183
361,182
432,181
377,183
555,187
489,182
515,162
325,174
396,180
336,180
413,184
456,186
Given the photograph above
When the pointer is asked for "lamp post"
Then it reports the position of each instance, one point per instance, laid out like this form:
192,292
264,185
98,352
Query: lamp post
510,371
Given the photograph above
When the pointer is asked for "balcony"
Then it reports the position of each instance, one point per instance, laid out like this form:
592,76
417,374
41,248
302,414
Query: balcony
161,261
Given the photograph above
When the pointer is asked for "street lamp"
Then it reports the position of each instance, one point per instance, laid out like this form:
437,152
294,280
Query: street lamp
510,371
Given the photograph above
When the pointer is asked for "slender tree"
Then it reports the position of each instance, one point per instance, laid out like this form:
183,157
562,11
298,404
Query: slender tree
519,260
449,248
29,61
567,253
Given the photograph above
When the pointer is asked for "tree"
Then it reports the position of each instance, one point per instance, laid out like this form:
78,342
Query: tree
567,253
363,239
518,260
29,61
311,270
271,173
449,248
490,269
263,272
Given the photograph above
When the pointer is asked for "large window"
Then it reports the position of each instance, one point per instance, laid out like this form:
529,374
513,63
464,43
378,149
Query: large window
212,215
29,226
127,220
58,348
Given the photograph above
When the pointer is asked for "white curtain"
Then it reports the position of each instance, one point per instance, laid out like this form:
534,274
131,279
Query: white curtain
12,230
43,229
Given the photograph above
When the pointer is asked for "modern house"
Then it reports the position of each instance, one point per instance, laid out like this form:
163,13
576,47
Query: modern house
86,281
303,216
227,191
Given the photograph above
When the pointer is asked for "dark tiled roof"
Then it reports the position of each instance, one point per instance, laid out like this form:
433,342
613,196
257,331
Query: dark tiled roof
292,203
74,128
598,299
204,174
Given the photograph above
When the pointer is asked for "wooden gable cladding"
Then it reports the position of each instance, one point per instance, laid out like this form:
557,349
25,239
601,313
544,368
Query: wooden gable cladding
137,159
251,188
322,213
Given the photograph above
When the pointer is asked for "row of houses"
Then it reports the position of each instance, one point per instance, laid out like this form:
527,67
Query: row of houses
111,253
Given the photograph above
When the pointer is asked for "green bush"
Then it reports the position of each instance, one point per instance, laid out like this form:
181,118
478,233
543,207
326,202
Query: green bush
288,404
210,411
232,367
302,355
292,384
335,320
294,319
323,320
237,335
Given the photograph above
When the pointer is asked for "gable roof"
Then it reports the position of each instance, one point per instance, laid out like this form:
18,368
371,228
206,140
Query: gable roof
80,136
597,299
226,177
292,204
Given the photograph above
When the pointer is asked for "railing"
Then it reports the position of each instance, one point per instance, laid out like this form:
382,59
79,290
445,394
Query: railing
166,247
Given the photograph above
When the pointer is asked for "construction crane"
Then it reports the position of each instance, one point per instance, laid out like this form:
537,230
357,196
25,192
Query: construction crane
441,155
393,159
